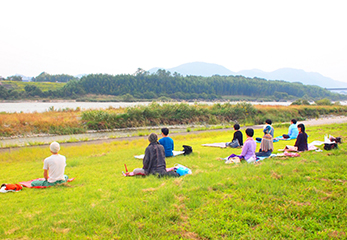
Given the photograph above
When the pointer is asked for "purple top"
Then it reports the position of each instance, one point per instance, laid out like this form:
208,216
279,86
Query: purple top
248,149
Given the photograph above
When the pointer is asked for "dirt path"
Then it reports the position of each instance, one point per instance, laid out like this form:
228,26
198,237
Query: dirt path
311,122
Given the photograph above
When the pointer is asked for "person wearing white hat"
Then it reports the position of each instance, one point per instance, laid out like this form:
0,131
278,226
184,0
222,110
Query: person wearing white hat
53,168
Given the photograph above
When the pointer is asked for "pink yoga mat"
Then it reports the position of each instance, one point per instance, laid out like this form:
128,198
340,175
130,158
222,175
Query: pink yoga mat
28,183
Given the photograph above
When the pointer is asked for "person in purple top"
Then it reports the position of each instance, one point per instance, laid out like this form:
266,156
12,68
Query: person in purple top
248,149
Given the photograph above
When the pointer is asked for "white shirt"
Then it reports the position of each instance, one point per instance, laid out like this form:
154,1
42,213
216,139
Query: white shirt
55,165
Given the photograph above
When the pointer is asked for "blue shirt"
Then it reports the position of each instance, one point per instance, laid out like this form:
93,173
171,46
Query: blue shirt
293,131
168,145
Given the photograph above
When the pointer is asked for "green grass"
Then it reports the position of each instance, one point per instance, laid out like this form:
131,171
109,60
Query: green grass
280,198
44,86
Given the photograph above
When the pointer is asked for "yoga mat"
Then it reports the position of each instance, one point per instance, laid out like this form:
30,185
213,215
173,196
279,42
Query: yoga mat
220,145
28,183
175,153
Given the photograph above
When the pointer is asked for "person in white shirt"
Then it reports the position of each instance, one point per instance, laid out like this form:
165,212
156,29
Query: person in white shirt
53,168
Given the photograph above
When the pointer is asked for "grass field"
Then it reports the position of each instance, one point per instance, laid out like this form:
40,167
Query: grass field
279,198
44,86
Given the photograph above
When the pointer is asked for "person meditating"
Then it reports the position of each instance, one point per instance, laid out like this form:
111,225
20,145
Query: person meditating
301,141
53,168
266,145
292,131
237,140
167,142
248,149
154,159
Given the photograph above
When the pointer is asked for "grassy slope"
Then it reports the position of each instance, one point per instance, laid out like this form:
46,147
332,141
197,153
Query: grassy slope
44,86
297,198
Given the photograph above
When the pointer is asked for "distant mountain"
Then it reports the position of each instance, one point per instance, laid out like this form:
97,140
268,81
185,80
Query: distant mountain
295,75
286,74
198,69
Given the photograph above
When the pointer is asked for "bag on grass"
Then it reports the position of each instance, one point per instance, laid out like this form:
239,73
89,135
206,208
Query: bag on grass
329,146
187,149
182,170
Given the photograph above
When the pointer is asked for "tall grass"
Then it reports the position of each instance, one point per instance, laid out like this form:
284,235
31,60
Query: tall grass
280,198
53,122
174,114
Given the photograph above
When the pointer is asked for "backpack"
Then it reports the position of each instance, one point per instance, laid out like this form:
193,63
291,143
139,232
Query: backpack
187,149
329,146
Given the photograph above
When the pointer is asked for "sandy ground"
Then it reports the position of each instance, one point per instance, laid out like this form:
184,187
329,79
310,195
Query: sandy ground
311,122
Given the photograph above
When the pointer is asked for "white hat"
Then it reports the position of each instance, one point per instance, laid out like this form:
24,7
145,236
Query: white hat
55,147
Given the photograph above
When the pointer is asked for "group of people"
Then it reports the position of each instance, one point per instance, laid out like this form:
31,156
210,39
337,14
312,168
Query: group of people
249,153
153,162
155,153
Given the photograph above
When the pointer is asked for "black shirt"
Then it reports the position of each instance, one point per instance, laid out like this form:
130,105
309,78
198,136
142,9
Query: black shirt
238,136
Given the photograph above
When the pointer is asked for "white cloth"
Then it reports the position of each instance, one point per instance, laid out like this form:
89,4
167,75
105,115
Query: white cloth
55,165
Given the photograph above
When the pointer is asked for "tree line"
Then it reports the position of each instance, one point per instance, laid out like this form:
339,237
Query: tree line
163,84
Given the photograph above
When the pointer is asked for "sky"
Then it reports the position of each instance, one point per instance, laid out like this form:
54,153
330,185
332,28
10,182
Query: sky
118,37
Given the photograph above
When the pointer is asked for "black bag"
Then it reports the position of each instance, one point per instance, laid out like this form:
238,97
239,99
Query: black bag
329,146
187,149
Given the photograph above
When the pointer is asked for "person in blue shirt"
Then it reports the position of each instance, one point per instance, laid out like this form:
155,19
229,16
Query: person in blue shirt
167,142
292,131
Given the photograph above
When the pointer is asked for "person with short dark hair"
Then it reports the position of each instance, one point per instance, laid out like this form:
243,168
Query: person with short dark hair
248,149
237,140
292,131
268,122
167,142
154,159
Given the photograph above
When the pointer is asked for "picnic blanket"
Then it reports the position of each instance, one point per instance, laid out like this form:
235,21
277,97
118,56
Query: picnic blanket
220,145
175,153
131,174
28,183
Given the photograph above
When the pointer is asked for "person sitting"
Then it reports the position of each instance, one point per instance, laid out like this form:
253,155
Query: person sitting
237,140
266,145
167,142
292,131
53,168
301,141
154,159
248,149
268,122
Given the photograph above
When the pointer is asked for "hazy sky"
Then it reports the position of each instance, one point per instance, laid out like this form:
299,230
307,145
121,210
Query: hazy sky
114,37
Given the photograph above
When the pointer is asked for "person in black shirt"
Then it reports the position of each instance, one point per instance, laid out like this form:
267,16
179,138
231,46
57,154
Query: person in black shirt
237,140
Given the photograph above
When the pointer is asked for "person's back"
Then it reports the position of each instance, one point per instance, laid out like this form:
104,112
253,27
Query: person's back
154,160
167,142
56,167
293,131
168,145
238,136
248,149
53,168
268,123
